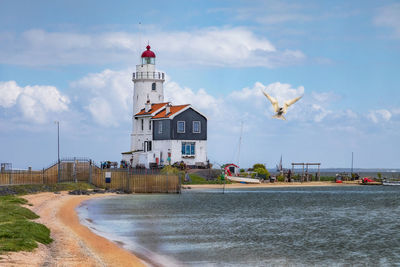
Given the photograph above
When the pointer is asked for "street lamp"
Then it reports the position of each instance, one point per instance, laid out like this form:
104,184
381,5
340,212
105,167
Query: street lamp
58,150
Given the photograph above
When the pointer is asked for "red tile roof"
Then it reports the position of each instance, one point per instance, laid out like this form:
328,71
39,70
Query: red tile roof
154,107
173,110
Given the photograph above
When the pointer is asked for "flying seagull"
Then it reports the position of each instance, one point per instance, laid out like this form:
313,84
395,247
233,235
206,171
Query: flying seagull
280,111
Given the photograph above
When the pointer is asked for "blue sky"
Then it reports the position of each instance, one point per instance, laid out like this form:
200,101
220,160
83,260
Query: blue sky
72,61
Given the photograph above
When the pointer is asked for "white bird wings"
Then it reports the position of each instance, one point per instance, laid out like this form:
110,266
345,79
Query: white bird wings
273,101
291,102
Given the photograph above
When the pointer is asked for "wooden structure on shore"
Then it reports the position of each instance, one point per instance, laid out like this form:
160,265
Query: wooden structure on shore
306,176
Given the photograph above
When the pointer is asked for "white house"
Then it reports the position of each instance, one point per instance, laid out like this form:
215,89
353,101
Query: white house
163,134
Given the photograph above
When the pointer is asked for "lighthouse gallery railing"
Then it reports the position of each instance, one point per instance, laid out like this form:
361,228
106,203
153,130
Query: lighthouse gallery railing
148,75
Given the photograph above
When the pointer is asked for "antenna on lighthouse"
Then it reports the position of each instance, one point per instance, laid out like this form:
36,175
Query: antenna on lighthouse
140,39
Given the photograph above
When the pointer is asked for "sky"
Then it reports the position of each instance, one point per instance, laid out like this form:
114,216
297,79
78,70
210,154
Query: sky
72,62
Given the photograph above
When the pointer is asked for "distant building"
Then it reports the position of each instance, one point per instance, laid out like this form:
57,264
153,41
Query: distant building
162,133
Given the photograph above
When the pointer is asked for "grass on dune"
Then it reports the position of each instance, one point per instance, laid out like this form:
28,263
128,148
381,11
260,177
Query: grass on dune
35,188
17,231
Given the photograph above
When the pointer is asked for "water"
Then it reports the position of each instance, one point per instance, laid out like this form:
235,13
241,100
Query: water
357,225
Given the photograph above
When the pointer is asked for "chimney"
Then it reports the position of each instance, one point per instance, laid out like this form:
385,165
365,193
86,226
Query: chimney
168,109
147,106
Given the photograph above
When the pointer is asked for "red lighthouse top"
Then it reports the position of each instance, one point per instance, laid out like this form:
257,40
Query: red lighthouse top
148,52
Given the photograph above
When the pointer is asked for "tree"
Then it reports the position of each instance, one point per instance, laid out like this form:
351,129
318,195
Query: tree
259,166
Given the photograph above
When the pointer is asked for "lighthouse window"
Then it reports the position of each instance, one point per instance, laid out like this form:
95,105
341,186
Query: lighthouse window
188,149
181,126
149,125
196,127
153,86
142,124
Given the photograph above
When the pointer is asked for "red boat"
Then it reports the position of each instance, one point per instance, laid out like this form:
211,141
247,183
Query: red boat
367,180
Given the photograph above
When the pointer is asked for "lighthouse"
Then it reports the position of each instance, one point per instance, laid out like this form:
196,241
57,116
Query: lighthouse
162,133
148,89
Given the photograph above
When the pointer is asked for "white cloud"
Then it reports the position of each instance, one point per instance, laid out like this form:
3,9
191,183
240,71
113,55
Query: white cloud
36,103
109,96
201,100
389,16
379,115
234,47
9,92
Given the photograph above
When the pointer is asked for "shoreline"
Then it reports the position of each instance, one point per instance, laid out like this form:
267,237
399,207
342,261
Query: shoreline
74,244
267,185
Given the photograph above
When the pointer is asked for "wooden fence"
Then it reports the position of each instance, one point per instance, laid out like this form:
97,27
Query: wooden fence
137,183
123,179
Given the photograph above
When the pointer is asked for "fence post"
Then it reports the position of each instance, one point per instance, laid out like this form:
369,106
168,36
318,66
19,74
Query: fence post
43,176
90,171
167,182
10,178
127,180
179,185
74,170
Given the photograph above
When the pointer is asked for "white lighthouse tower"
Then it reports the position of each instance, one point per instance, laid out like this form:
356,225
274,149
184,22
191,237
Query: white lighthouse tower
148,89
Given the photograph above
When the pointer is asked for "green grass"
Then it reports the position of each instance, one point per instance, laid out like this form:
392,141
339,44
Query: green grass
36,188
17,231
327,178
196,179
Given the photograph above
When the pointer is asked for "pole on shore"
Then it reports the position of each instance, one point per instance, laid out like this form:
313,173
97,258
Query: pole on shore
58,151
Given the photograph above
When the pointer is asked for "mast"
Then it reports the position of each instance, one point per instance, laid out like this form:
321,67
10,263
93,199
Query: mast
352,156
240,143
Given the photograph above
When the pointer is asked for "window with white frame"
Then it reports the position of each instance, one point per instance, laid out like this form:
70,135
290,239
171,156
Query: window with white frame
142,123
149,125
160,127
188,148
196,127
181,127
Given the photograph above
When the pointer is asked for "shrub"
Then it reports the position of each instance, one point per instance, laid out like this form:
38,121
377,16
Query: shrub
262,171
280,178
170,170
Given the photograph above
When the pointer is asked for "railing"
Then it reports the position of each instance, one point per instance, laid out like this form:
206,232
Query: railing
148,75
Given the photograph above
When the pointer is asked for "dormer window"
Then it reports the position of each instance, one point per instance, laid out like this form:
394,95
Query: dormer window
196,127
181,127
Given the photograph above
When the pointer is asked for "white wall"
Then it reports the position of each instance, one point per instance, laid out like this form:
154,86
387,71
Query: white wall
138,136
175,147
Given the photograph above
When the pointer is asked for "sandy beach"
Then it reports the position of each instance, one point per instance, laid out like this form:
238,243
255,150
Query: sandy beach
74,244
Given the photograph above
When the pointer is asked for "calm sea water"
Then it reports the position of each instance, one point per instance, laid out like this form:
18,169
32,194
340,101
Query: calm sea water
327,226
